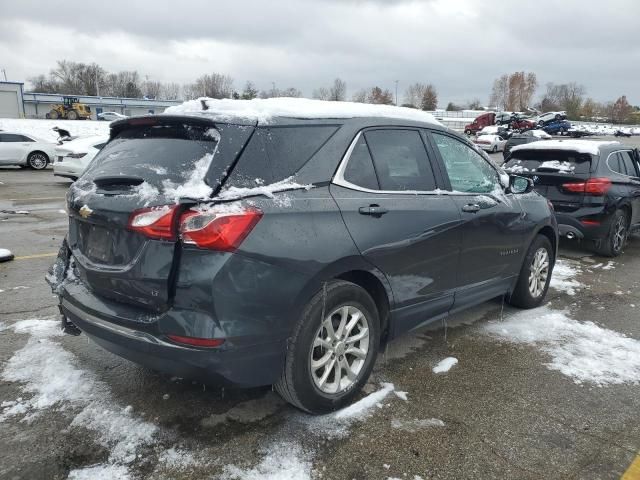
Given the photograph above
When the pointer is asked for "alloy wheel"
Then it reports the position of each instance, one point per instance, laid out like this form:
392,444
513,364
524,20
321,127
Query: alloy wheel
37,161
539,272
340,349
619,234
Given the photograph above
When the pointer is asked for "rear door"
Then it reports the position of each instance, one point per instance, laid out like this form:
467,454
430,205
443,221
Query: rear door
386,191
628,181
146,168
12,148
493,228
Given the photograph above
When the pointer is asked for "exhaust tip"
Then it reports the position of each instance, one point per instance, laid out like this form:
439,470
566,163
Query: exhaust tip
571,235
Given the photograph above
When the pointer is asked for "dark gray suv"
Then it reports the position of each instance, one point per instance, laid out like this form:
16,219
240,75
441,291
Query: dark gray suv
288,251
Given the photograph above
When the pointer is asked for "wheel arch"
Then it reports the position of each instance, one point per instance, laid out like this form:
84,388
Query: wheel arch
551,234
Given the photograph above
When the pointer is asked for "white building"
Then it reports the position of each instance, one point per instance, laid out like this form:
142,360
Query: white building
11,104
15,103
36,105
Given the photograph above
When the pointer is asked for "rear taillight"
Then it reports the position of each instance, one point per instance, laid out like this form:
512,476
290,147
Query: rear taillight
76,155
155,222
196,342
217,230
593,186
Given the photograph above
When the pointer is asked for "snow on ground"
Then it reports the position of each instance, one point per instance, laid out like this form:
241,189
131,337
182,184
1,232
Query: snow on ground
264,110
563,276
101,472
51,380
583,351
445,365
42,129
5,255
284,461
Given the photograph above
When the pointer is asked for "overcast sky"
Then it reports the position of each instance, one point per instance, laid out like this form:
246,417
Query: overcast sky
458,45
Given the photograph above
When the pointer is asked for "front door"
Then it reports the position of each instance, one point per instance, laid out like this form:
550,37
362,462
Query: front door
493,227
387,194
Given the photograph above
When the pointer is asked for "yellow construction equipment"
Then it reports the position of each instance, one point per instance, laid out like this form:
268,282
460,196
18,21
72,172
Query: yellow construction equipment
71,109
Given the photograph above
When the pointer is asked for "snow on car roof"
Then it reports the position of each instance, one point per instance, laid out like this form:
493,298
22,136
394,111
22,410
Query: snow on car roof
264,110
580,146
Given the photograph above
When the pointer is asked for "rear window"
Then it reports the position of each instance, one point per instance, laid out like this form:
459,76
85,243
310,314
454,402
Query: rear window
276,153
157,153
548,161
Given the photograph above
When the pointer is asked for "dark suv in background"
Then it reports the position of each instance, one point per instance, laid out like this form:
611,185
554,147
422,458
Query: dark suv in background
594,187
288,251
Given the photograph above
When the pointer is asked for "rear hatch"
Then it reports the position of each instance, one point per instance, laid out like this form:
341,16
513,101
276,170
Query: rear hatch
553,172
151,168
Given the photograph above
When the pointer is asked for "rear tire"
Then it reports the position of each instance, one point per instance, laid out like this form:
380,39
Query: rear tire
72,115
53,115
37,161
613,244
320,346
535,275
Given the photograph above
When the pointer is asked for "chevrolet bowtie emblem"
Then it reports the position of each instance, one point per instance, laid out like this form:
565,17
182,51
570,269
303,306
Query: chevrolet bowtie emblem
85,211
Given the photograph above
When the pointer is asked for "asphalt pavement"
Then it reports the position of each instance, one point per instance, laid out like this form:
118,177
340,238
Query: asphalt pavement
503,411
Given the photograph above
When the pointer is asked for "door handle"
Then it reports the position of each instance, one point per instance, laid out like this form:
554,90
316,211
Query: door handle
375,210
471,208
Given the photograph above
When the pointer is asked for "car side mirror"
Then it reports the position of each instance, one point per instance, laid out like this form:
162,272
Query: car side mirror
519,184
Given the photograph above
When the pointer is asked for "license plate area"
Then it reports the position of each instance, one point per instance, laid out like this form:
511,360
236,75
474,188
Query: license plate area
99,244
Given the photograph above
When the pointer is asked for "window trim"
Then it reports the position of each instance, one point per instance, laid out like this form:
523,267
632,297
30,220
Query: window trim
338,178
615,152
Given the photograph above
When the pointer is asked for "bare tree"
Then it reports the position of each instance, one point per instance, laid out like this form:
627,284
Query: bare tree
379,96
170,91
567,96
338,91
621,110
360,96
429,98
151,89
500,93
474,104
321,93
414,94
213,85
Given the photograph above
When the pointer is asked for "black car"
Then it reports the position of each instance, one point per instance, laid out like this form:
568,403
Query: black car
519,139
288,251
594,187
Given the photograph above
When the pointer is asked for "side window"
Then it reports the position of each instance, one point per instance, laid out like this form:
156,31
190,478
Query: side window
359,170
10,137
99,146
630,164
25,139
616,163
467,170
400,160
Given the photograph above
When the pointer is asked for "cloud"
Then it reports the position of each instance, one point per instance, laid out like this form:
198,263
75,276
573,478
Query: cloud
460,46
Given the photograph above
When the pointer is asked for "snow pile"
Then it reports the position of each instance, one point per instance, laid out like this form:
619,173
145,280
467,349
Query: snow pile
362,408
445,365
540,134
564,167
562,278
284,461
582,351
233,193
49,374
100,472
516,167
264,111
42,129
5,255
579,146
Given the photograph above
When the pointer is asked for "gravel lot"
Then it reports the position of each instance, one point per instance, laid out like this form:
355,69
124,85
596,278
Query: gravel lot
561,401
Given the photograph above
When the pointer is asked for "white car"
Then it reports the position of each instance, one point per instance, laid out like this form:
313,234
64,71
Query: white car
111,116
545,118
25,150
491,143
73,157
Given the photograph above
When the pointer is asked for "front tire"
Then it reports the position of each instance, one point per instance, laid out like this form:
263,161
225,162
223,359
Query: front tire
332,350
37,161
616,239
72,115
535,275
